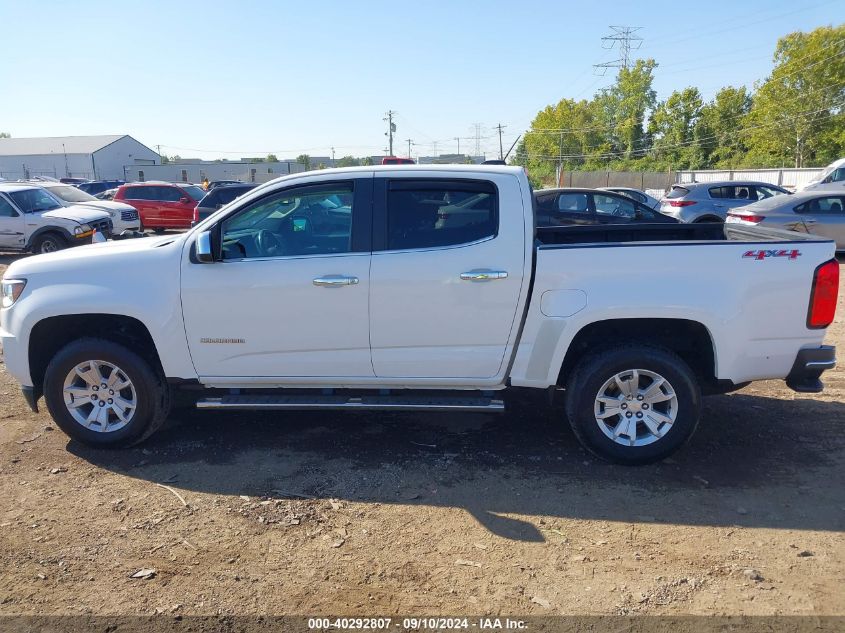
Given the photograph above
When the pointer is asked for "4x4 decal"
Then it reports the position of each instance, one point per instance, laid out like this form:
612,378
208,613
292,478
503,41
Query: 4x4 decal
761,254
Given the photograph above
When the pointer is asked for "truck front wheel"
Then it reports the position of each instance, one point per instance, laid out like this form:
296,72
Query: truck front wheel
103,394
633,404
48,243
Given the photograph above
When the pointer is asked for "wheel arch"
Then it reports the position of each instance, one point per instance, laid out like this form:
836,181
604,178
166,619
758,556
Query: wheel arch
50,334
58,230
691,340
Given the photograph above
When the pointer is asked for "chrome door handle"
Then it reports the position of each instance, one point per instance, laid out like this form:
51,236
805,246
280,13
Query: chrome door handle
484,275
335,281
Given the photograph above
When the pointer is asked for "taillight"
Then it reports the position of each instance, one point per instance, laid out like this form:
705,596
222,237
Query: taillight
745,217
823,295
680,203
197,213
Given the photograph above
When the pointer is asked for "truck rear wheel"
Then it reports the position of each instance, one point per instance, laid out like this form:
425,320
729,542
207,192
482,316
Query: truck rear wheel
105,395
633,404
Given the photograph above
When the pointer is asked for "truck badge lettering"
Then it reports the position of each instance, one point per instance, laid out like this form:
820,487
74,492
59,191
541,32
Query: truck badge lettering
762,254
222,340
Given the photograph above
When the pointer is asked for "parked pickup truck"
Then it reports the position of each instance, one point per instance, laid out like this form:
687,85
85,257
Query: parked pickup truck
418,288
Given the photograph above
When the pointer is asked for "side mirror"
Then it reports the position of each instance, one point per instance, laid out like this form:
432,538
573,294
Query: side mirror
203,249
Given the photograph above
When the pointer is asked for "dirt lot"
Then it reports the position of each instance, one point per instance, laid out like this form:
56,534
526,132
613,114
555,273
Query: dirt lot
384,514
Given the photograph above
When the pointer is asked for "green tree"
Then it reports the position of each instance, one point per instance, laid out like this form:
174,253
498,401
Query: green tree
718,134
272,158
348,161
671,128
5,135
321,166
565,134
366,161
623,106
304,160
797,116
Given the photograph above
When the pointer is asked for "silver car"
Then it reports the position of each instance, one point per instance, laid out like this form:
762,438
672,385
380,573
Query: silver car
817,212
640,196
711,201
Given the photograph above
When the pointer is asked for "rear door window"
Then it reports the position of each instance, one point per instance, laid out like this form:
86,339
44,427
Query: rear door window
720,192
823,206
136,193
226,194
680,192
436,213
168,194
573,203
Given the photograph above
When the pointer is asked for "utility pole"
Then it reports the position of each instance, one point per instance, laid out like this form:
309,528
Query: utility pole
478,139
410,142
434,148
391,128
333,163
625,38
500,127
458,139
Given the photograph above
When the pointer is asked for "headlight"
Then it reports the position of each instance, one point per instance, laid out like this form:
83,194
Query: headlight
12,289
78,230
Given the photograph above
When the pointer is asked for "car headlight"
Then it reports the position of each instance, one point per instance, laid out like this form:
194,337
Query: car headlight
78,230
12,289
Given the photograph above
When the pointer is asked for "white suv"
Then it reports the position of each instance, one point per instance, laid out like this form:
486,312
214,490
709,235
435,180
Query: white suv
32,219
124,217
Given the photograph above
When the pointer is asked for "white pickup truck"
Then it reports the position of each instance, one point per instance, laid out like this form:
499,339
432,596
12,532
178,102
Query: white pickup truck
418,287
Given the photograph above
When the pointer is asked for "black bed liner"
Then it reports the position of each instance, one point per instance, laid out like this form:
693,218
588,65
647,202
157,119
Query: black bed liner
703,232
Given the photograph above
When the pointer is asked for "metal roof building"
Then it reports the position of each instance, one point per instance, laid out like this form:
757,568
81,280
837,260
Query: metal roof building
94,157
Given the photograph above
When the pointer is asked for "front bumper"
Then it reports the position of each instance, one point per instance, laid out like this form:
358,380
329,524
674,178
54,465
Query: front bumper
809,365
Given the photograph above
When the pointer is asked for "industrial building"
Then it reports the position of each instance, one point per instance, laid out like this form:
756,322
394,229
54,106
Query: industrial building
196,171
103,157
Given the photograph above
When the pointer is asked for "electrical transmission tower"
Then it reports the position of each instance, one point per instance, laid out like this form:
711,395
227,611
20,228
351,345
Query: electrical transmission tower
478,139
626,39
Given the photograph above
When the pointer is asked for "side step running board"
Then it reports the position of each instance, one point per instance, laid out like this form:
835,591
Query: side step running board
370,403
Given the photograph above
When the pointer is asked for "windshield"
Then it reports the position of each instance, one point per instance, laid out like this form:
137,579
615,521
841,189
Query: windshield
72,194
195,192
826,172
34,200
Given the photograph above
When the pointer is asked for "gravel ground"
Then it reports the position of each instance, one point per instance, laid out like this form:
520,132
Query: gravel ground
441,514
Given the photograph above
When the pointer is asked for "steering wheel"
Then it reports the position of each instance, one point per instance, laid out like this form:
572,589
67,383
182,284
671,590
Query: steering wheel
268,243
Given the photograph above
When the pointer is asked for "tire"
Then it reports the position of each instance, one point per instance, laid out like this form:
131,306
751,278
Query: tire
158,230
594,376
48,243
148,391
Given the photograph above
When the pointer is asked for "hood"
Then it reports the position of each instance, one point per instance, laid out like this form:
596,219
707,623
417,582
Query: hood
93,256
106,205
77,213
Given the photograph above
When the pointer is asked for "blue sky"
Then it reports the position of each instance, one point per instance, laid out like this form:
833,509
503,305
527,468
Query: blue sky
213,79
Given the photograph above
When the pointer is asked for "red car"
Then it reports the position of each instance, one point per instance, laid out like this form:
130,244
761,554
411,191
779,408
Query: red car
162,205
395,160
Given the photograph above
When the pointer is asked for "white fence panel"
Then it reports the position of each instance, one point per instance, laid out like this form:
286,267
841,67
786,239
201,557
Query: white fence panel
787,177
